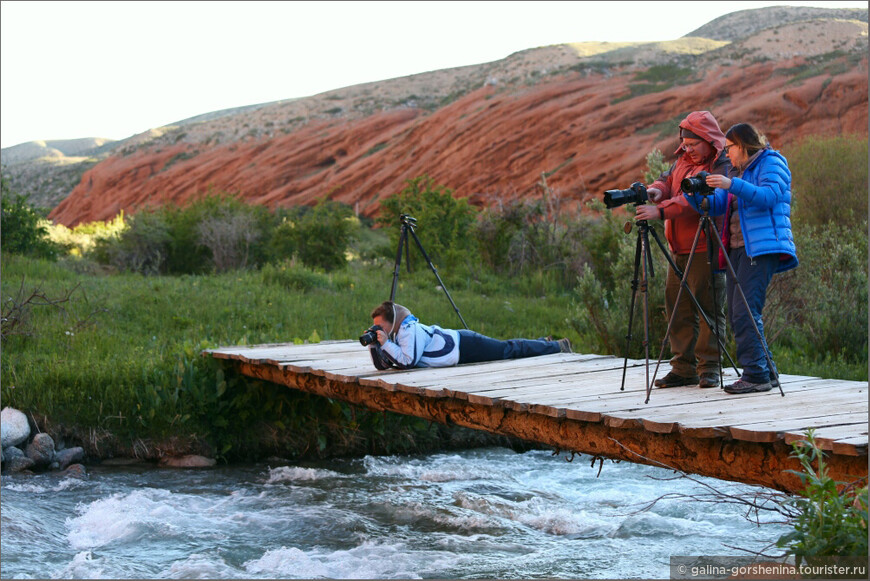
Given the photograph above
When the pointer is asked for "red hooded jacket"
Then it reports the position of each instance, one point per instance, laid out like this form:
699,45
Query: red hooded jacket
681,220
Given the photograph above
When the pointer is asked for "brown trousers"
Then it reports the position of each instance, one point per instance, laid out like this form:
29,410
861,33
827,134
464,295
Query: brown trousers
694,347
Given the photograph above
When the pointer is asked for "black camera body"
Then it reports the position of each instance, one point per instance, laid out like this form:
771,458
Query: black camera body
370,336
697,184
635,194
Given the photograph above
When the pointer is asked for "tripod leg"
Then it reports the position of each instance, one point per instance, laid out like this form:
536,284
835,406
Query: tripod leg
647,261
637,258
692,296
758,334
683,285
435,271
403,239
715,327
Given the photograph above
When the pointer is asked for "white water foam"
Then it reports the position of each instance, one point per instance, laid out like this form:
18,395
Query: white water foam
296,473
118,517
39,488
202,566
84,566
369,560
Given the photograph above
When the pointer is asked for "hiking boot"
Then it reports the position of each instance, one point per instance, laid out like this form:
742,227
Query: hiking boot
741,386
709,379
774,382
565,345
674,380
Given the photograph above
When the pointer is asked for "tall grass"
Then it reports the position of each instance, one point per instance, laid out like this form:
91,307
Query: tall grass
123,355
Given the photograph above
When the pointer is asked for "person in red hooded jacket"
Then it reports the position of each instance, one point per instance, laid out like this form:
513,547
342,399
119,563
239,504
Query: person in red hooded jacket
694,349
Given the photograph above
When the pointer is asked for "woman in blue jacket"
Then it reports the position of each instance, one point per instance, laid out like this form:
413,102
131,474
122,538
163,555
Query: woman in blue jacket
758,236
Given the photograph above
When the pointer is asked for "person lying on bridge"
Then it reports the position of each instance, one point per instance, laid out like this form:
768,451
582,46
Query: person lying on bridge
404,342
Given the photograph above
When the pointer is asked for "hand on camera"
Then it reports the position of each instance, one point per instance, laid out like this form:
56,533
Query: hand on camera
382,336
654,194
718,181
647,212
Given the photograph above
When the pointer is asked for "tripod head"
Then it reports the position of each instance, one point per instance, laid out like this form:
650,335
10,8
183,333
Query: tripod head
409,221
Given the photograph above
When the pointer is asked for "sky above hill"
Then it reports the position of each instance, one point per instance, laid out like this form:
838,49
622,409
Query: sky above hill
114,69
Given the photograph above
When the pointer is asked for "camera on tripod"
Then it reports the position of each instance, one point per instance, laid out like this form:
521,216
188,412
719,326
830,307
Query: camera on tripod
697,184
370,336
635,194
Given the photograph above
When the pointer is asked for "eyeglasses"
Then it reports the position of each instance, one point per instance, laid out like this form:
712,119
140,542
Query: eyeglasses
727,148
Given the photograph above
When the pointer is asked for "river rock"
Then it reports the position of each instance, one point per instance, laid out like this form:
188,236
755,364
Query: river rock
16,461
40,450
75,471
14,428
189,461
66,457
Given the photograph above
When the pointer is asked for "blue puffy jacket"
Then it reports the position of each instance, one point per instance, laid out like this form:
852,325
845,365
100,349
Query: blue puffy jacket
763,191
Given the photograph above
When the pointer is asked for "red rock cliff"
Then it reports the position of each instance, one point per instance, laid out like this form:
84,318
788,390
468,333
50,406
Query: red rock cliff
489,144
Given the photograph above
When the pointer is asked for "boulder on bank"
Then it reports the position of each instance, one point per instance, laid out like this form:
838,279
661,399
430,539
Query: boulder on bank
15,460
68,456
14,428
40,450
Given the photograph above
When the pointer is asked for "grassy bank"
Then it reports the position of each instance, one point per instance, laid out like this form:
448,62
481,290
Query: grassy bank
117,364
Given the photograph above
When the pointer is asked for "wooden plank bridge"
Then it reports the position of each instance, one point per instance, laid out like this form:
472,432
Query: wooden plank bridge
573,402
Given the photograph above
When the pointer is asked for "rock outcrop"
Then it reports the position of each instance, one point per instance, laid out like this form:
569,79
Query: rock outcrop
582,131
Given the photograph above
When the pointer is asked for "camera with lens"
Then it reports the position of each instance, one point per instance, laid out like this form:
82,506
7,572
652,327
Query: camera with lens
370,336
697,184
635,194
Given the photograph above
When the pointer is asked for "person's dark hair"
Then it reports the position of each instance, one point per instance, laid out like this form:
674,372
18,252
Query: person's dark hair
385,310
750,139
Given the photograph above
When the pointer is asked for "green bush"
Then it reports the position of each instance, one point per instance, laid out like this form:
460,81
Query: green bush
822,305
534,240
214,233
23,229
832,517
141,247
320,237
829,181
443,222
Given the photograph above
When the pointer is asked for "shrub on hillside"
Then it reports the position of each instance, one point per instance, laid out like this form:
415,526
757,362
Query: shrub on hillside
826,296
215,233
24,229
319,237
525,237
141,247
443,222
829,181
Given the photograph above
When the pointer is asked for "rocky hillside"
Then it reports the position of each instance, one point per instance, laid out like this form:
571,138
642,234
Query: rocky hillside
584,114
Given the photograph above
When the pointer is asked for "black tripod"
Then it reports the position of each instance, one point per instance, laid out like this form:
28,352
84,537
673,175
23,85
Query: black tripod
708,226
408,225
643,257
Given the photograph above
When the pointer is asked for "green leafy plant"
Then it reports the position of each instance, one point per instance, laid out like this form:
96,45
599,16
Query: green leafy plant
23,229
832,519
443,221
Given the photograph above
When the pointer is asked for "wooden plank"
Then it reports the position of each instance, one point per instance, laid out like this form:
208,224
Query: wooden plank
827,436
631,401
727,409
776,429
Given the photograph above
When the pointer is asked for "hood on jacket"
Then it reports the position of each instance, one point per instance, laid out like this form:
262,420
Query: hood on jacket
705,126
400,313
